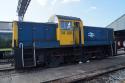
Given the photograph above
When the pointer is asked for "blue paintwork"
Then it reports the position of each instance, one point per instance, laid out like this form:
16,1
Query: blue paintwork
43,34
95,36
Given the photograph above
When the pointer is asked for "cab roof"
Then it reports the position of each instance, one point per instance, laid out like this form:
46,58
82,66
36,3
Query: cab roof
67,17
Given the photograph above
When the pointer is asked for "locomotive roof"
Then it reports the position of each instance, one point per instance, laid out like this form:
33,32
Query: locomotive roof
68,17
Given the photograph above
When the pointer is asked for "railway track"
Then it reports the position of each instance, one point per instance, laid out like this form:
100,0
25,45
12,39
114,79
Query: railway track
70,73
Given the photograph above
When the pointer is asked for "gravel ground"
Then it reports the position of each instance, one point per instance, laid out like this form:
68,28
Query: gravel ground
114,77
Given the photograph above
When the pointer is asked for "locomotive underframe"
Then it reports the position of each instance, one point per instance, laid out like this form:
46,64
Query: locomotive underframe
53,57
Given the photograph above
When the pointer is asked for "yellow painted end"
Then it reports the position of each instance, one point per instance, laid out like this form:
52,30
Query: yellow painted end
15,35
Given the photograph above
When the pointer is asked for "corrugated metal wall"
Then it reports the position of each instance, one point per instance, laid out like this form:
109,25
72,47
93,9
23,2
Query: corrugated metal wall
118,24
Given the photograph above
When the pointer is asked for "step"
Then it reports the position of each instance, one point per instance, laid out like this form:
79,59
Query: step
28,62
31,58
28,51
28,56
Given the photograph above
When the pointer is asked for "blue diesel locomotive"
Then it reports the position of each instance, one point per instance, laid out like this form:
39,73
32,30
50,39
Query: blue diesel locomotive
62,40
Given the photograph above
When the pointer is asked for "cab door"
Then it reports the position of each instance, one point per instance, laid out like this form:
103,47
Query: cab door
77,33
65,33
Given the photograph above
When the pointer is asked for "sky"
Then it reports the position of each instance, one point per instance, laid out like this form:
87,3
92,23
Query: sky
92,12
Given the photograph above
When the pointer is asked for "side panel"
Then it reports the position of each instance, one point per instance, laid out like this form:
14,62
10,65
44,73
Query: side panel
25,34
42,34
98,36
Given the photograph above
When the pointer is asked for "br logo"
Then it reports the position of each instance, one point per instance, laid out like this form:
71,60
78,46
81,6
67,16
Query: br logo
90,34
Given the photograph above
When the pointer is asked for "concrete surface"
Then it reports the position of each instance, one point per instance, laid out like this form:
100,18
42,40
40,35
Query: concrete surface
6,67
121,52
67,73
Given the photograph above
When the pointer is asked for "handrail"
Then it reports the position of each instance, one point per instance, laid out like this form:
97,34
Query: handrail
115,48
34,53
21,45
111,48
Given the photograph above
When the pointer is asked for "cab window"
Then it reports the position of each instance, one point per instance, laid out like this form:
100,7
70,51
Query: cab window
66,25
76,24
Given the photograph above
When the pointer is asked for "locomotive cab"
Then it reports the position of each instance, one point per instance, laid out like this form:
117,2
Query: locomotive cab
69,31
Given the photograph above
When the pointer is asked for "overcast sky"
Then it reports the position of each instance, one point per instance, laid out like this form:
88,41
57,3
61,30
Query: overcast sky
92,12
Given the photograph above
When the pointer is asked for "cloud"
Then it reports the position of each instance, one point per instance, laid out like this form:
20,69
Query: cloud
69,1
93,8
53,2
42,2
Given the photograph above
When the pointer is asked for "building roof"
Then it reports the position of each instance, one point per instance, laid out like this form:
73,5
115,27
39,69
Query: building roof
118,24
116,20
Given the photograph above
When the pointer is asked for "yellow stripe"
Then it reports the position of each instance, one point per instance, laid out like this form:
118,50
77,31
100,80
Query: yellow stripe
15,35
